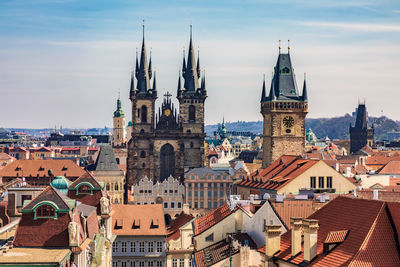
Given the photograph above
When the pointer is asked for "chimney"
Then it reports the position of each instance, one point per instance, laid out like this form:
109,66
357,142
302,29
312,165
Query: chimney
375,194
186,209
310,239
272,240
295,225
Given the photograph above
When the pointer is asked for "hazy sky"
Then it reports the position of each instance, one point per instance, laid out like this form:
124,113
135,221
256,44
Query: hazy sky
63,61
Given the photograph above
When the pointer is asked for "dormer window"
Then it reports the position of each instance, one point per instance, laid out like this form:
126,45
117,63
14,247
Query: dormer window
285,70
45,211
84,190
41,169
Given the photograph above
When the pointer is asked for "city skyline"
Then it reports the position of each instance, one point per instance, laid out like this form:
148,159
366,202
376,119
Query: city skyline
66,60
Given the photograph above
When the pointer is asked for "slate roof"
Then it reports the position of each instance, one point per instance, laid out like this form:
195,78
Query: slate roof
372,240
221,250
106,159
204,222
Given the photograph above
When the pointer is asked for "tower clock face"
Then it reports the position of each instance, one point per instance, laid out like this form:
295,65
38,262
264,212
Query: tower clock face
288,121
167,112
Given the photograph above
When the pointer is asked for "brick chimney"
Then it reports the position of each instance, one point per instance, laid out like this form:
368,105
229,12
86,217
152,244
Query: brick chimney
310,239
296,224
272,240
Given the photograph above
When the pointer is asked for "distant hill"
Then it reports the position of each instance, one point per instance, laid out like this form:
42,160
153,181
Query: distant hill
334,128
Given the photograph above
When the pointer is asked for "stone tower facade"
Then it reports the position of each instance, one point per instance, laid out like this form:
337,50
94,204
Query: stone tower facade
284,111
166,143
361,134
119,131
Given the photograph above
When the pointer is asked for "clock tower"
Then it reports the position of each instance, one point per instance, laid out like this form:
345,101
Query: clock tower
284,111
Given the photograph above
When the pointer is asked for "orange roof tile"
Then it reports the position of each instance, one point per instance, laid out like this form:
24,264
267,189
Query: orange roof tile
138,220
204,222
392,167
336,236
293,208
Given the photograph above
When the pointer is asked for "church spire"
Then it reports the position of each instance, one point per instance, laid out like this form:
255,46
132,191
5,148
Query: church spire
132,86
203,82
150,68
190,72
272,95
305,97
263,93
179,90
154,82
198,63
143,79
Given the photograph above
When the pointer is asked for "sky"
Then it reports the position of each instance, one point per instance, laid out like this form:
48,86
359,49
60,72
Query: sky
63,62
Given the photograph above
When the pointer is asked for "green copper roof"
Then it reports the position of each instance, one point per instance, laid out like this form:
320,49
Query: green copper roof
130,124
119,113
61,184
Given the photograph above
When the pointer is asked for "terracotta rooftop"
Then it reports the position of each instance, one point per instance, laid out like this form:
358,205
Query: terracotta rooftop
392,167
293,208
278,174
34,168
221,250
372,239
204,222
5,156
336,237
173,229
138,220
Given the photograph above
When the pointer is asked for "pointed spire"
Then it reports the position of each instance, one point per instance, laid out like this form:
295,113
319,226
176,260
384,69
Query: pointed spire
150,68
143,79
190,72
154,82
198,62
305,97
179,84
132,86
184,62
203,82
272,95
263,93
137,65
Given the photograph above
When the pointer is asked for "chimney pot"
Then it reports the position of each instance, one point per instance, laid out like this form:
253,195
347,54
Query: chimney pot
310,239
295,224
272,239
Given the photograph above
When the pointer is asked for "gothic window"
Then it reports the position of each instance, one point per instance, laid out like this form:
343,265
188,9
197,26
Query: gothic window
142,131
144,114
138,112
117,159
191,145
108,187
142,154
84,189
116,187
192,113
167,161
144,165
188,131
45,211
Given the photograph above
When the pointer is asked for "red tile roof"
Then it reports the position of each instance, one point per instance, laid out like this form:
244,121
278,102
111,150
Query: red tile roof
173,229
204,222
293,208
392,167
336,237
278,174
371,240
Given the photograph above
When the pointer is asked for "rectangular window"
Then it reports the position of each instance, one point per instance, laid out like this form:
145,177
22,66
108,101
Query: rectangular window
221,193
201,185
159,247
115,264
209,193
321,182
150,264
115,247
123,247
159,263
190,193
221,184
329,182
141,263
194,184
165,205
133,246
123,264
141,246
196,205
215,204
215,193
201,193
201,205
196,193
209,205
190,204
172,205
174,263
133,263
181,262
190,262
179,205
312,181
151,247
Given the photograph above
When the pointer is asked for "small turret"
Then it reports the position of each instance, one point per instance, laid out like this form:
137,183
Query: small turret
304,96
263,93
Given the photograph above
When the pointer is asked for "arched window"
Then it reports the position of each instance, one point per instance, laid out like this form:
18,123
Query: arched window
45,211
142,154
144,165
108,187
144,114
84,189
142,131
117,159
192,113
116,188
285,70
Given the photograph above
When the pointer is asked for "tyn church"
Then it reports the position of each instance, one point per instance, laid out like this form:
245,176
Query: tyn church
168,142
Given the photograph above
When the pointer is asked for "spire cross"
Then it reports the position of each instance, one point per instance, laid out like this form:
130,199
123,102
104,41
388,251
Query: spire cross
167,95
279,46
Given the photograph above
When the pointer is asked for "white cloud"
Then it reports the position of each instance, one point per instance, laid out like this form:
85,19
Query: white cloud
360,27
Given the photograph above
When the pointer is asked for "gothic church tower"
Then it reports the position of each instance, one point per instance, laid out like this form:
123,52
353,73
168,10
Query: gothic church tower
119,132
140,160
284,111
191,99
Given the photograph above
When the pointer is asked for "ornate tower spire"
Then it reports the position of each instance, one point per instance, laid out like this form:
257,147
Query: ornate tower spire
190,71
203,82
154,82
132,85
150,68
143,78
179,90
272,95
198,63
